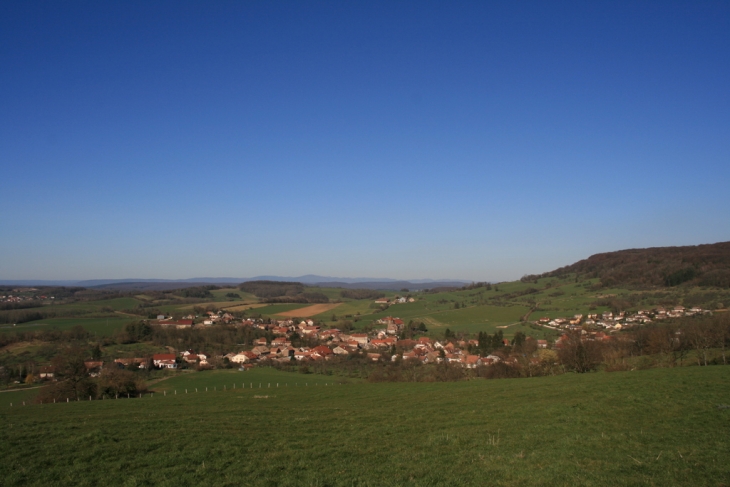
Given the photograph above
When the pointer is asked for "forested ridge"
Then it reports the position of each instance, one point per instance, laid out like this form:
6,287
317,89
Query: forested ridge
697,265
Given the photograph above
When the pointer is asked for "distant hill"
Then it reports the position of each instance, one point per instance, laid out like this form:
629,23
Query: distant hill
395,285
700,265
310,280
390,285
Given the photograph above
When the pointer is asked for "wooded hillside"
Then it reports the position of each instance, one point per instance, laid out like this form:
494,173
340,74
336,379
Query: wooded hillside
701,265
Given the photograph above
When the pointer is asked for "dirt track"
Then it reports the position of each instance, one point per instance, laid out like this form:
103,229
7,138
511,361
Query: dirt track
308,311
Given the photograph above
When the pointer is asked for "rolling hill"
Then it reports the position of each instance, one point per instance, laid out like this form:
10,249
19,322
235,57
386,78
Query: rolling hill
697,265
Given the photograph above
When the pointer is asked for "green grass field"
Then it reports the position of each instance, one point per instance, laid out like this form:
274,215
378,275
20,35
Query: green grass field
100,326
260,377
654,427
17,396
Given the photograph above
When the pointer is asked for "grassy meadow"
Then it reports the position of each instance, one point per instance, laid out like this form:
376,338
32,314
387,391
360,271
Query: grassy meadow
101,326
652,427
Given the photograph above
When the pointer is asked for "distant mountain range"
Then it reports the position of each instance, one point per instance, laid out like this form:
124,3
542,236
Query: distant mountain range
695,265
310,279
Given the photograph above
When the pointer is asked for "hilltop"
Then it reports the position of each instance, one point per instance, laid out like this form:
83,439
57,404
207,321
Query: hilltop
696,265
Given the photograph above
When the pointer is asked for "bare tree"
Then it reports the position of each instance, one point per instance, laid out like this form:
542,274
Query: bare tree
578,355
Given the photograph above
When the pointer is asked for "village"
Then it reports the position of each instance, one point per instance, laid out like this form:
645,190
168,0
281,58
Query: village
23,295
382,344
385,342
621,320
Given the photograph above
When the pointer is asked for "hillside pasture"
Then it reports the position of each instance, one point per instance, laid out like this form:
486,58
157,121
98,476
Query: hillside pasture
260,377
100,326
361,307
653,427
212,305
476,318
244,307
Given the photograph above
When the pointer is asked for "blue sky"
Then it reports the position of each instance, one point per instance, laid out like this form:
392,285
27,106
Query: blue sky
472,140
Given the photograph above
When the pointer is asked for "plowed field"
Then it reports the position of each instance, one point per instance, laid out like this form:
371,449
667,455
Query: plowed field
308,311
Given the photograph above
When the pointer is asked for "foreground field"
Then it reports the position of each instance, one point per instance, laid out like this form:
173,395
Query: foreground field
655,427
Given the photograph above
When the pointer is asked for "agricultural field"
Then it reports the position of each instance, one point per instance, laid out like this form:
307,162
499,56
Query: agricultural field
312,310
273,310
244,307
478,316
652,427
103,326
349,307
260,377
16,397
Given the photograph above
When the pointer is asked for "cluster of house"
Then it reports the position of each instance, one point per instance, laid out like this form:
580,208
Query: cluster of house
395,300
380,344
169,360
19,298
614,322
210,318
159,361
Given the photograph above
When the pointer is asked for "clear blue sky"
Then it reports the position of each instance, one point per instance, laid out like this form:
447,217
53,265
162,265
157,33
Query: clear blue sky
475,140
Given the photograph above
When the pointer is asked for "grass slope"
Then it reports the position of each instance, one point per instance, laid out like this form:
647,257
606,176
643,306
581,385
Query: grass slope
655,427
100,326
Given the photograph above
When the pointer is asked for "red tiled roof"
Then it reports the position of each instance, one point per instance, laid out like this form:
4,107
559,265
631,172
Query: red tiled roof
322,350
164,356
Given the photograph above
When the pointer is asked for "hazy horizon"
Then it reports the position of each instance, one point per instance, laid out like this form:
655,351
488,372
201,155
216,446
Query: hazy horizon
413,140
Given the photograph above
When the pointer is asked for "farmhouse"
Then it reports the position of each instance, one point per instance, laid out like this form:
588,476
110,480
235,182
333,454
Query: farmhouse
46,373
179,324
93,367
360,338
164,360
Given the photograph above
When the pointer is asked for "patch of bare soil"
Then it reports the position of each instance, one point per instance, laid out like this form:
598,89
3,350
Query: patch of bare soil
308,311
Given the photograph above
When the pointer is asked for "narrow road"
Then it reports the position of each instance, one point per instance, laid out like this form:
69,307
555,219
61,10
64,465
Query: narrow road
23,389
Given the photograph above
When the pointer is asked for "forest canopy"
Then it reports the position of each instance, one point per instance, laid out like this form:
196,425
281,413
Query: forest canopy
701,265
